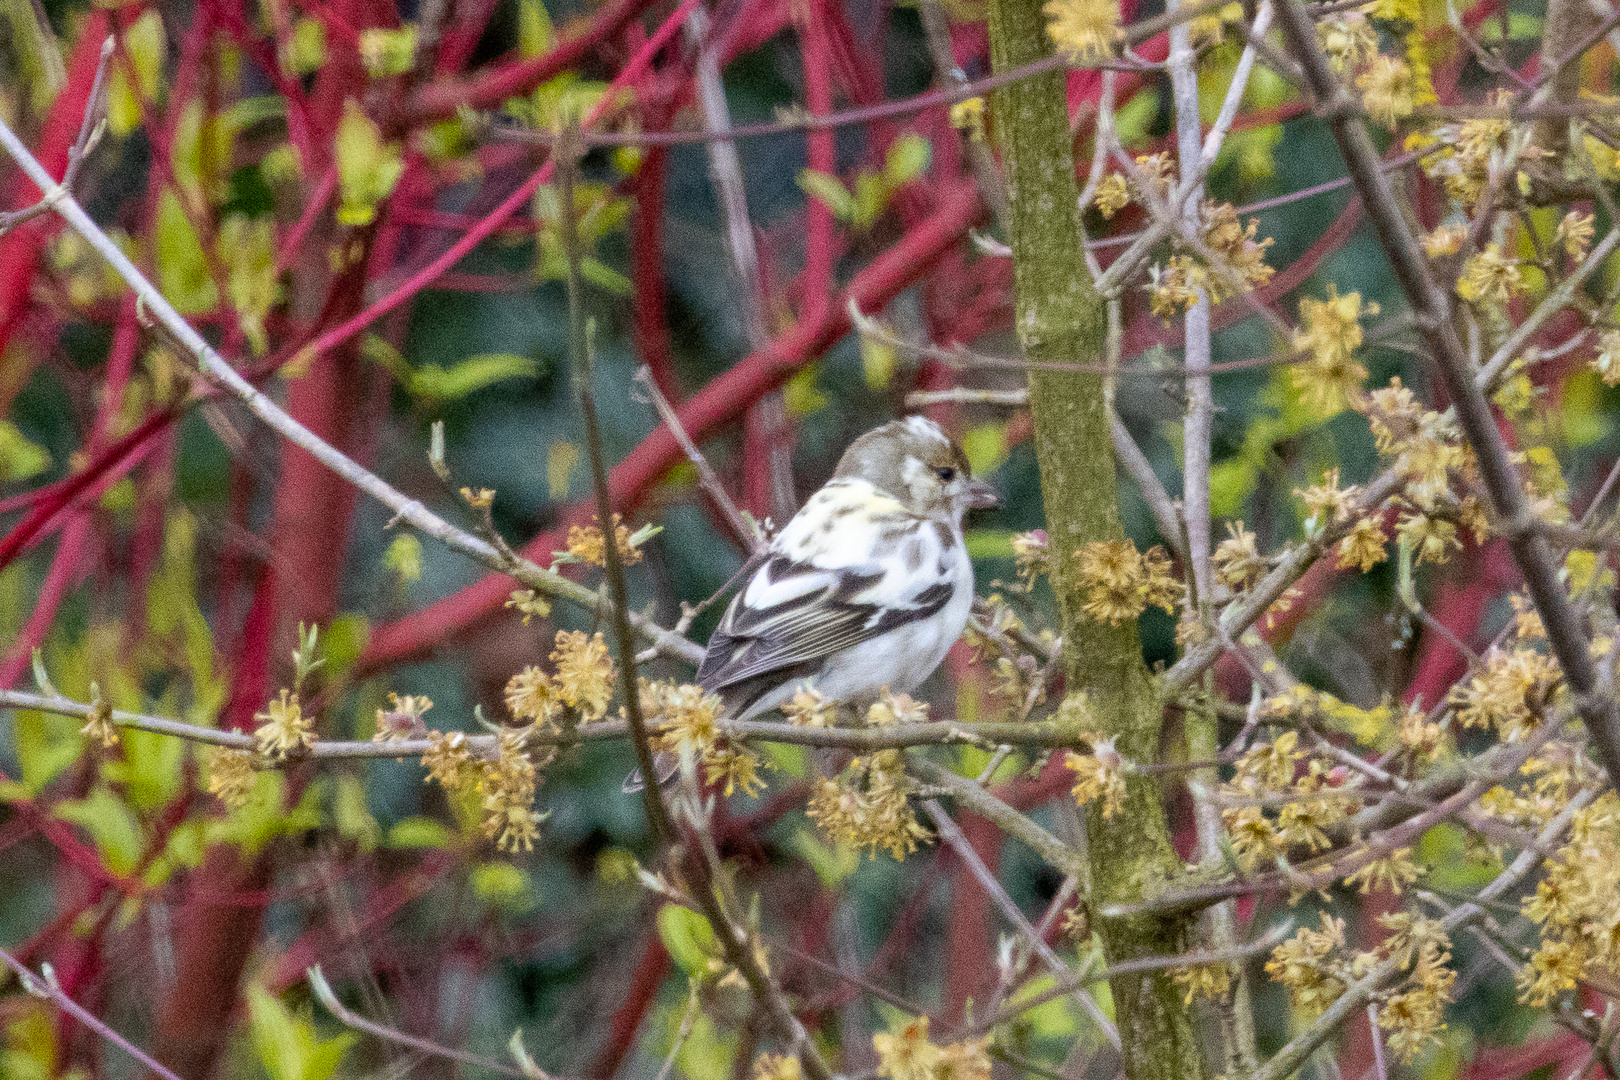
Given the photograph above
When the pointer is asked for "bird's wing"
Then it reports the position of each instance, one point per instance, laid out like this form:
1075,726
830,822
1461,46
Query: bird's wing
796,612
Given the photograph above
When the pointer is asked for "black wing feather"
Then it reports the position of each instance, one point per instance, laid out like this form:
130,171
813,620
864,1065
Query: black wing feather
790,639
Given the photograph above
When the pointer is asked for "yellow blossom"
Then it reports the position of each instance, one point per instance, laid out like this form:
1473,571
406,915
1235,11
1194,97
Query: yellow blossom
1213,982
283,728
1302,964
777,1067
1175,286
1113,195
1489,277
1099,776
508,786
892,709
529,604
1347,39
691,716
867,806
1431,539
1443,241
531,695
906,1053
1553,968
1364,546
1331,331
230,776
99,726
584,672
1510,693
968,117
402,719
1607,361
1121,582
1387,88
448,761
1032,555
1224,233
1083,29
1393,871
1327,502
1237,560
809,707
1575,231
585,543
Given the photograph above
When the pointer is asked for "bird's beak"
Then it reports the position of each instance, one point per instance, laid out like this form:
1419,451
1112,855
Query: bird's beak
981,496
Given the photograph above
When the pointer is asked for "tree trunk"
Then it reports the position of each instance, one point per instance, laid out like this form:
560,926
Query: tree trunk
1060,318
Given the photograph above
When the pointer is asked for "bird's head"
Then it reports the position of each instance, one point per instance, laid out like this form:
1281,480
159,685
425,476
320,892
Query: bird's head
916,462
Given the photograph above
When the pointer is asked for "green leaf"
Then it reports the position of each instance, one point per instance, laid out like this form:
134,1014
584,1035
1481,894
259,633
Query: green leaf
350,814
182,268
201,154
344,639
305,51
832,863
989,543
287,1045
45,745
403,558
144,44
20,459
111,825
535,33
368,167
986,448
827,189
437,384
503,886
419,832
151,770
688,937
388,52
907,160
871,196
247,248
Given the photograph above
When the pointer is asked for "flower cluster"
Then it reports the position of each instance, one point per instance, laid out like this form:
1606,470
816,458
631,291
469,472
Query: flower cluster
1510,692
1237,559
402,719
283,728
1099,775
908,1054
1331,332
583,682
1462,154
587,544
867,806
1244,254
1083,28
508,784
1311,801
1121,582
1213,982
1577,905
689,719
230,776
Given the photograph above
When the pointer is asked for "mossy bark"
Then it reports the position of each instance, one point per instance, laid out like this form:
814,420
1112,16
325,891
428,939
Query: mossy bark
1061,319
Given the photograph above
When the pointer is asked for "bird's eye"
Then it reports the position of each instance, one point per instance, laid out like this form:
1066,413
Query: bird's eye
946,474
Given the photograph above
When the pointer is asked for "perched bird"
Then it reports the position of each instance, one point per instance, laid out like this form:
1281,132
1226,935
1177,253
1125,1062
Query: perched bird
865,589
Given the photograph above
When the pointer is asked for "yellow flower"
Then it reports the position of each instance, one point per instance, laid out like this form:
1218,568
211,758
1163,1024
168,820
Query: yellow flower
892,709
1445,240
1327,502
1489,277
1510,694
1576,231
733,767
1212,982
1113,195
230,776
1332,333
1099,775
1387,89
586,544
1393,871
907,1054
402,719
1122,582
777,1067
867,806
968,118
1553,969
1175,286
283,728
1431,539
691,716
1302,964
1607,361
1363,548
1084,29
509,784
1224,233
584,672
809,707
529,603
448,761
1237,560
1347,39
532,696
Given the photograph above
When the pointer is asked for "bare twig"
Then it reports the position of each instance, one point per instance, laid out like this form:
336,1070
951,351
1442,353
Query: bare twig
44,986
90,132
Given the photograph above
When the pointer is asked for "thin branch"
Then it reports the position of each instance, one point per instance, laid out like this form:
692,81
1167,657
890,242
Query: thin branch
90,132
747,530
323,991
45,986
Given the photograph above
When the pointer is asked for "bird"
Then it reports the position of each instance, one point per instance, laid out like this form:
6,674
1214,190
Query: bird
863,591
